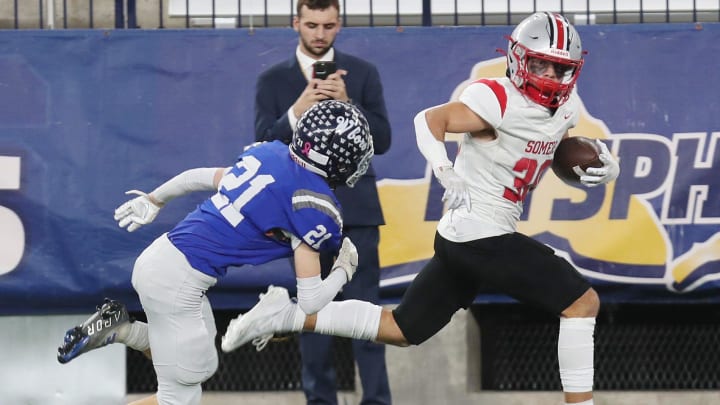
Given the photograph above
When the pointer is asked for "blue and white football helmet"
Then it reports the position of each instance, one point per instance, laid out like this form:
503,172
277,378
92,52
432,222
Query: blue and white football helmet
333,139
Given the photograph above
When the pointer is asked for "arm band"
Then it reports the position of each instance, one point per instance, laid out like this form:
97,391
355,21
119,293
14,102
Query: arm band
433,149
200,179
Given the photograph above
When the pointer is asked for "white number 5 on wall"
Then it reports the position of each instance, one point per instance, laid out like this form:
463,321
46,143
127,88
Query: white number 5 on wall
12,232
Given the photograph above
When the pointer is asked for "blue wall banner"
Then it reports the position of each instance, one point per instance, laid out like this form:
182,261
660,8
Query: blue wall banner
87,114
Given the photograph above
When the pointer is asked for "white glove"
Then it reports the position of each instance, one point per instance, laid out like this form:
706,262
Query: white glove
456,189
137,212
347,258
595,176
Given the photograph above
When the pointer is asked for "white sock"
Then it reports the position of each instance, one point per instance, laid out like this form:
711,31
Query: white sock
575,354
134,335
291,320
588,402
351,318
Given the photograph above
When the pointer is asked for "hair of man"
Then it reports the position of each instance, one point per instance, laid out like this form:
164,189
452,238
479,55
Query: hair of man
316,5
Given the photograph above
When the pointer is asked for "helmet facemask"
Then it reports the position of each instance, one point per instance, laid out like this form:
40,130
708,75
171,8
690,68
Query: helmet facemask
362,167
545,91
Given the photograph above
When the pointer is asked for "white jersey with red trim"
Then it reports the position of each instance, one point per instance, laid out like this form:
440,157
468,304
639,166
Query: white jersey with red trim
501,172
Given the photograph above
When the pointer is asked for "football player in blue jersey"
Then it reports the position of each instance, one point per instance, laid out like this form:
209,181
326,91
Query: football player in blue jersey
275,201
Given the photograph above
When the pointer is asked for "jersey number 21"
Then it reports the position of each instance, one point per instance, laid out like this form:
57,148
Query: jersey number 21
248,184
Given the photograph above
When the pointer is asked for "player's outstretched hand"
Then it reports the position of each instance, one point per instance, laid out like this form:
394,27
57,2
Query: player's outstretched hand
456,189
347,258
594,176
137,212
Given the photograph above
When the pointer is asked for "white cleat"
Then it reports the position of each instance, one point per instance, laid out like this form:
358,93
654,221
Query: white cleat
256,325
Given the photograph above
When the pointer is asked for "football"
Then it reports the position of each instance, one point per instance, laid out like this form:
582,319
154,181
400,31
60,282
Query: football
575,151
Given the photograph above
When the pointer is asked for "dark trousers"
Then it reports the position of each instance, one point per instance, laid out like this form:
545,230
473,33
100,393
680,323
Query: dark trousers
318,371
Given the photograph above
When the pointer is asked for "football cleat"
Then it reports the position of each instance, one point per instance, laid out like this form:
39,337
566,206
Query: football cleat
256,325
97,331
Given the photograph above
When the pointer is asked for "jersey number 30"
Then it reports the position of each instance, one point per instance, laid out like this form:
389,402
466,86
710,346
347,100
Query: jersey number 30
527,178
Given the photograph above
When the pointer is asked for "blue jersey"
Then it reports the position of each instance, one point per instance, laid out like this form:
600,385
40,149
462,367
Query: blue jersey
260,200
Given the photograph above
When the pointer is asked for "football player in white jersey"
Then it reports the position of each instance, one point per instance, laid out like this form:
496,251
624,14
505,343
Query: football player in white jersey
275,201
511,127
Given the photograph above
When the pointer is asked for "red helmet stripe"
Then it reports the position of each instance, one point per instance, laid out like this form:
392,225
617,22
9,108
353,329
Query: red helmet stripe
560,27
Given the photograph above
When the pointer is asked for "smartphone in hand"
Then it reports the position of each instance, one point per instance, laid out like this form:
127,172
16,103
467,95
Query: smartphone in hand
323,69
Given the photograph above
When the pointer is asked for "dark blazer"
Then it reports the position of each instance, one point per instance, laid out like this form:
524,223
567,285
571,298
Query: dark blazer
279,86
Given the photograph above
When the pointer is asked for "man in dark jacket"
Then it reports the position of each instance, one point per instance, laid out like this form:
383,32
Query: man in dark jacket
283,93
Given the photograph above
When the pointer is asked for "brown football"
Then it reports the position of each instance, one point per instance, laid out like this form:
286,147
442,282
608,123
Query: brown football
575,151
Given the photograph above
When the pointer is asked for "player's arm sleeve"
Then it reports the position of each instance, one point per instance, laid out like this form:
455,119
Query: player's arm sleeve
318,224
313,292
200,179
487,99
431,148
271,123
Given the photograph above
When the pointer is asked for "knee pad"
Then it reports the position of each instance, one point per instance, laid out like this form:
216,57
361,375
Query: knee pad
196,374
171,390
576,354
190,377
350,318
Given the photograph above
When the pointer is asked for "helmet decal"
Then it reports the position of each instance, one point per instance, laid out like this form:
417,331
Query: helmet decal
558,27
333,139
